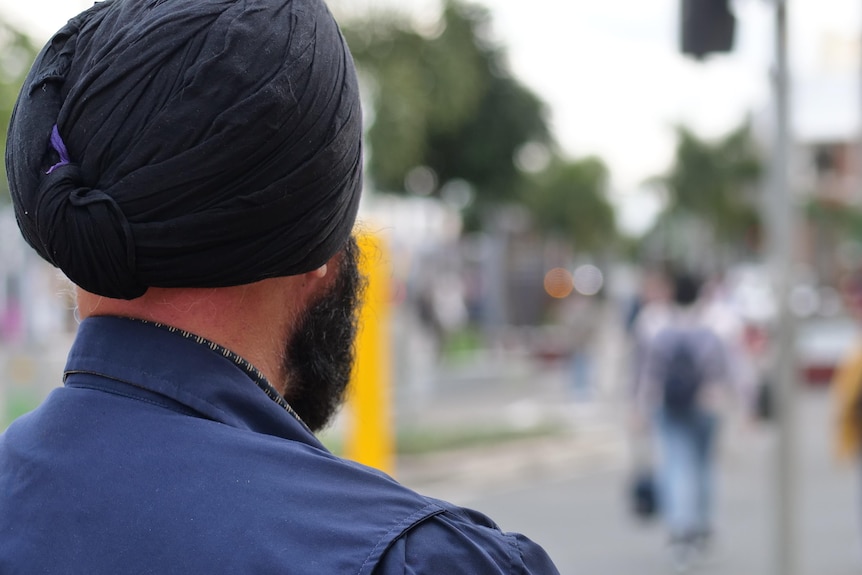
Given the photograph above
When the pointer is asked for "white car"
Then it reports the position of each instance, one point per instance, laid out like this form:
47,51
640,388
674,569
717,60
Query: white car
822,344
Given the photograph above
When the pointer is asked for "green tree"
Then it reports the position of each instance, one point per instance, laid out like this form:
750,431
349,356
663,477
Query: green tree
445,101
569,200
17,52
714,182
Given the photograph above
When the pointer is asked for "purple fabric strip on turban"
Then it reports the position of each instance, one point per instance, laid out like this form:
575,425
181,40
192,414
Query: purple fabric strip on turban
210,143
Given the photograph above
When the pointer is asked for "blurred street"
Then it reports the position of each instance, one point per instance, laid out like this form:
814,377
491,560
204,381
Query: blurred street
568,491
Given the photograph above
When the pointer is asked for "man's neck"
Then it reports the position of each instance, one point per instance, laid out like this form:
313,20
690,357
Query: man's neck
249,320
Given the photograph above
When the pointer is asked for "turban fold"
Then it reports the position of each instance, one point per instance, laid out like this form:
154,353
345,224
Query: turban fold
188,143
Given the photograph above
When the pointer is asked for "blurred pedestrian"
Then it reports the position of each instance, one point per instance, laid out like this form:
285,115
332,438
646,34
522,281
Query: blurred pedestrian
846,388
194,167
645,310
682,389
847,394
745,369
582,315
647,315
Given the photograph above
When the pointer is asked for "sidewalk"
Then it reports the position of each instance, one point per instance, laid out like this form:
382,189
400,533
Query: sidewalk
568,493
517,391
465,473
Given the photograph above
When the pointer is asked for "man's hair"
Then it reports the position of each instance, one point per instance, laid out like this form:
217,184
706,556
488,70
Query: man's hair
686,288
188,143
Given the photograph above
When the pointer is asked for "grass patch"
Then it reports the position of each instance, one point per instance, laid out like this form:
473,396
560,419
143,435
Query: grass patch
17,404
462,345
421,441
418,441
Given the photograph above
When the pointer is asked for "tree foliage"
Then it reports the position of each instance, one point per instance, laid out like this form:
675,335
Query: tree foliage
835,214
444,101
17,52
569,199
714,181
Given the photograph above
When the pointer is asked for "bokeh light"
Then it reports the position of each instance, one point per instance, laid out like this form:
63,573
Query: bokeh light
559,283
588,279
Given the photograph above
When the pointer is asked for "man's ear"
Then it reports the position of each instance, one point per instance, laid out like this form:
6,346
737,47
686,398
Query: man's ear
319,278
320,272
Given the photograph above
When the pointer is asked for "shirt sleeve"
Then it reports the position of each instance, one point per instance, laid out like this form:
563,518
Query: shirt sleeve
461,541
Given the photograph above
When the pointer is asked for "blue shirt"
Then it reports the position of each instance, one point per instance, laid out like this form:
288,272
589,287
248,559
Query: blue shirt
164,453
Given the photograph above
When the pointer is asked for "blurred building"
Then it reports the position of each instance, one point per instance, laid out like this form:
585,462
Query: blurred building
826,157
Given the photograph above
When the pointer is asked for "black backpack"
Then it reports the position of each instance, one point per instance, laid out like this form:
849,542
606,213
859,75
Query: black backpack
682,379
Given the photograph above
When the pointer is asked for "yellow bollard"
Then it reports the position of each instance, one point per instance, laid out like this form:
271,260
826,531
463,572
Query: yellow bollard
369,434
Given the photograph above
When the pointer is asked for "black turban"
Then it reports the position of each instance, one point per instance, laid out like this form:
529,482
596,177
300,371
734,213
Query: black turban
188,143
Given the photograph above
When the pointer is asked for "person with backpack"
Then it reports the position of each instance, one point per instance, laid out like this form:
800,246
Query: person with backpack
680,391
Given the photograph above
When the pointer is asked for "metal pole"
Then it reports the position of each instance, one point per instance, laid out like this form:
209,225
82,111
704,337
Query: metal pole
857,196
782,219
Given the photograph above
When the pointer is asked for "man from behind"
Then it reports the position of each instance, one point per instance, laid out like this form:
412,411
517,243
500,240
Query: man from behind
194,167
681,392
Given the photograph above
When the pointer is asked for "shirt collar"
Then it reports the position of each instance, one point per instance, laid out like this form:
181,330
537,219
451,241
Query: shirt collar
198,373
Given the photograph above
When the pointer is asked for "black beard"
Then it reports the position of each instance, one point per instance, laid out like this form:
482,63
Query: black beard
319,354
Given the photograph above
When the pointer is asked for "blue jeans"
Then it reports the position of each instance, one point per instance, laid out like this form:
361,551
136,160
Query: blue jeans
686,471
581,373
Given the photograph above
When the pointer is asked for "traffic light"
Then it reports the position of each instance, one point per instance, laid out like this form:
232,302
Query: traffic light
707,26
